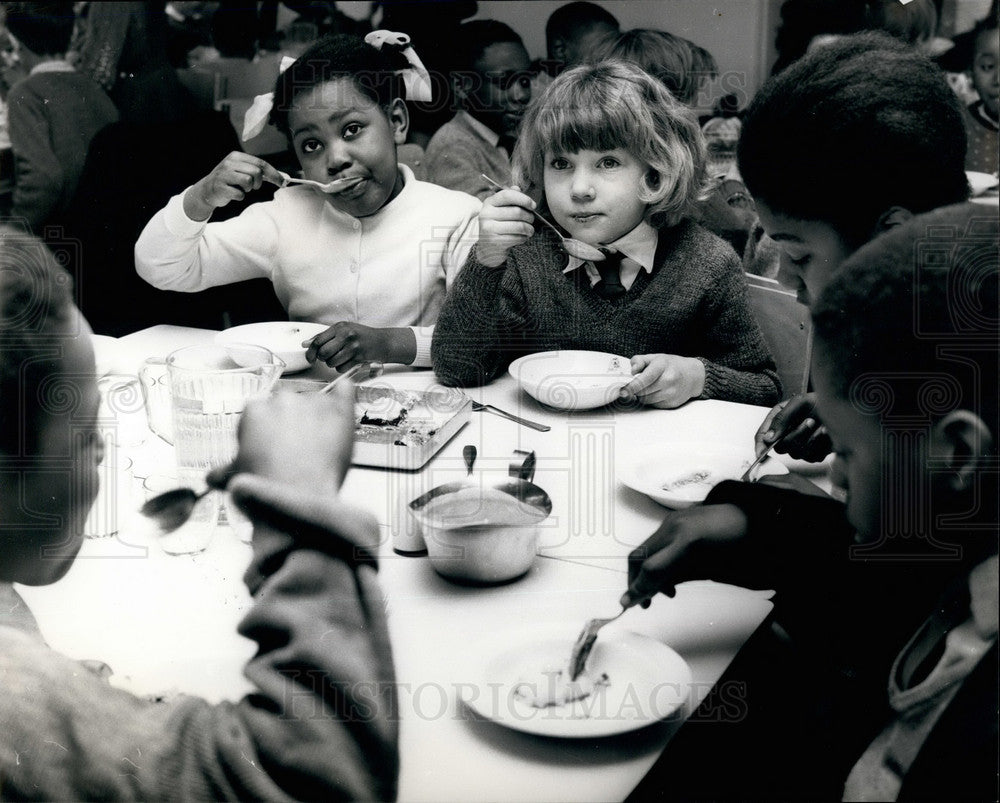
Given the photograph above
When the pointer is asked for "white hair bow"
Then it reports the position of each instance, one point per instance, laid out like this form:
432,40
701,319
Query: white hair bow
416,81
256,117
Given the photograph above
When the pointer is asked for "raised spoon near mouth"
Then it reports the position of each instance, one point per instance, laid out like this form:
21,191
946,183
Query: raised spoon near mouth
337,185
575,248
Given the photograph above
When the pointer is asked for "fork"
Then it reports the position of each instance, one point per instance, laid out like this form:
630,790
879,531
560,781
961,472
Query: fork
489,408
763,456
585,643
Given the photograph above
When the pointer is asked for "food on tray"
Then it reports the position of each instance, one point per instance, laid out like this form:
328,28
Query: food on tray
385,412
552,687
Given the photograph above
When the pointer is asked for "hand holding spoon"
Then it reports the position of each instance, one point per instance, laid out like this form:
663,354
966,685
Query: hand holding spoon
335,186
171,509
575,248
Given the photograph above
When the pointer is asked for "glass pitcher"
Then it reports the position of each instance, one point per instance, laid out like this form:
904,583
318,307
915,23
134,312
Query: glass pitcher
210,386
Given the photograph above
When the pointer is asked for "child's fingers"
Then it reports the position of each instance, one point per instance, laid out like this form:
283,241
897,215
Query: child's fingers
509,198
313,346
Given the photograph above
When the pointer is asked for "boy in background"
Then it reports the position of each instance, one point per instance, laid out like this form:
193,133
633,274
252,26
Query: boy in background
320,724
491,81
905,368
982,119
53,112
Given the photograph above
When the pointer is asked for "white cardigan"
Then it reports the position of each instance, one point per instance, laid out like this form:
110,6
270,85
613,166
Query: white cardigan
390,269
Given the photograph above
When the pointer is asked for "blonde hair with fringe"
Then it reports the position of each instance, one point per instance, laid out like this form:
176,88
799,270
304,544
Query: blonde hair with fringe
612,105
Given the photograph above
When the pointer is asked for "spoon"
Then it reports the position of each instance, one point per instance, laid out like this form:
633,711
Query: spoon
337,185
171,509
469,455
574,248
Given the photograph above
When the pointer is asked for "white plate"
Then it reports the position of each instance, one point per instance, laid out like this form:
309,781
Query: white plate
655,470
282,338
572,380
647,681
981,182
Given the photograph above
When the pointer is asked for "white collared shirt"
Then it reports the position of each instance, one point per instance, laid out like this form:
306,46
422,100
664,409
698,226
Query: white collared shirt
639,248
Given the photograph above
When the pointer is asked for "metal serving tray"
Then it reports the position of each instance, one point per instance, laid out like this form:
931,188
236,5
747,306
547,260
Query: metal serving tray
432,418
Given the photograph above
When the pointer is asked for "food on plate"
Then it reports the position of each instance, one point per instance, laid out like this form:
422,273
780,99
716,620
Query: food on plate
697,483
551,687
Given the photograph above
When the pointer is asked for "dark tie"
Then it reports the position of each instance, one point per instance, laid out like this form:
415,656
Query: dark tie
610,287
508,142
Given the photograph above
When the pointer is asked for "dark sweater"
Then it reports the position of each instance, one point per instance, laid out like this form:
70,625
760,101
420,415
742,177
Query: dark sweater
694,304
53,116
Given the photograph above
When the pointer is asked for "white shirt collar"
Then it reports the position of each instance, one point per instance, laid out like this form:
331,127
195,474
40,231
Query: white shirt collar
53,65
639,245
479,128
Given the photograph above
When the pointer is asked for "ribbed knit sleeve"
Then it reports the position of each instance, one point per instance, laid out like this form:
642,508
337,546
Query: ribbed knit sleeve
693,304
738,364
321,724
477,330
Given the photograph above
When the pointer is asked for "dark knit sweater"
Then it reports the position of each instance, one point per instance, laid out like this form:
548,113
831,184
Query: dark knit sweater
694,304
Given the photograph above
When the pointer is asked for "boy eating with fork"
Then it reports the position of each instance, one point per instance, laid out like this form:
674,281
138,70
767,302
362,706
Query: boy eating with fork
905,370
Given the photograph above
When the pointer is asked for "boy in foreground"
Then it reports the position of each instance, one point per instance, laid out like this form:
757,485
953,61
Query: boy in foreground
321,723
905,370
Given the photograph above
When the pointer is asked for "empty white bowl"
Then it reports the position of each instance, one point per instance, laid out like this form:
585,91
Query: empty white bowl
572,380
282,338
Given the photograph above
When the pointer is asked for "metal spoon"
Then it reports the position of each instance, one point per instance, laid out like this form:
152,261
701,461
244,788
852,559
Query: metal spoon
469,455
575,248
337,185
171,509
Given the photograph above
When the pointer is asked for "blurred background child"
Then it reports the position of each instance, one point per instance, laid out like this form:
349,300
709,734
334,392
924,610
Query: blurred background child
65,729
981,117
492,83
372,260
617,162
906,316
828,151
54,112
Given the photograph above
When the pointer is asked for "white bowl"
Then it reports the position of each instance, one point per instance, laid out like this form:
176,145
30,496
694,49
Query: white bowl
282,338
572,380
678,475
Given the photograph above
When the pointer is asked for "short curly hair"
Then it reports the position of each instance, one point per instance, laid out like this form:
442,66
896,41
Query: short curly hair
36,297
910,313
611,105
856,127
340,56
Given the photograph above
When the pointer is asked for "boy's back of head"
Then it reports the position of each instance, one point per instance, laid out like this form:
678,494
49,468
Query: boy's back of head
908,334
43,28
904,303
858,126
477,35
570,24
35,299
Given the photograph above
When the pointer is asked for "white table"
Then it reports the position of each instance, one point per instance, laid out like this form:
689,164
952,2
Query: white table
130,605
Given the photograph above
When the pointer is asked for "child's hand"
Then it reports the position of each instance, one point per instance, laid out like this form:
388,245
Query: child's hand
665,380
807,437
235,176
299,439
345,344
705,542
504,221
